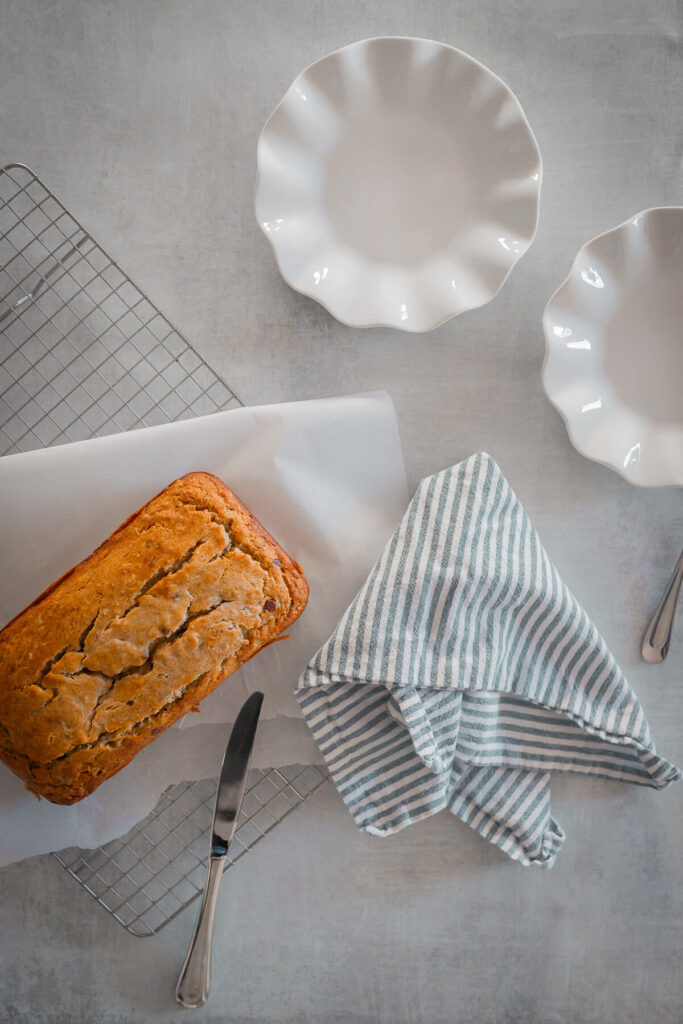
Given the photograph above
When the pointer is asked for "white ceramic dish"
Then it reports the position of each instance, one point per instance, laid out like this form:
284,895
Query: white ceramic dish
398,182
614,349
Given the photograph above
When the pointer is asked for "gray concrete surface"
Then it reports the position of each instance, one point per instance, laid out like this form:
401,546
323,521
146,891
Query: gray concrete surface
143,117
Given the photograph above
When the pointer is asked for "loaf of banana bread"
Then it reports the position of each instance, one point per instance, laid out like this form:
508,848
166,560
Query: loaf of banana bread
129,640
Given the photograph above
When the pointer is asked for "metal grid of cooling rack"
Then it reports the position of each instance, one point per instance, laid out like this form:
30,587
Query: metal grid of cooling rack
83,352
149,875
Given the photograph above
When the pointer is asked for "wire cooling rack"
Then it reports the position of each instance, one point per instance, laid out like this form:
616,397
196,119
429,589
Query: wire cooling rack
83,352
149,875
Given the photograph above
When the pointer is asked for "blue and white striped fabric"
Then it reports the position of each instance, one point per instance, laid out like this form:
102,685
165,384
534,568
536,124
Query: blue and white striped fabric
464,673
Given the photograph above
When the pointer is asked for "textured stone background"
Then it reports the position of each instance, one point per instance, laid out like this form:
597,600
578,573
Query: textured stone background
143,117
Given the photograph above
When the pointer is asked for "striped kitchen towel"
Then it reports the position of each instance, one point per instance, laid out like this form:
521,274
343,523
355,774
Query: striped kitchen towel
465,672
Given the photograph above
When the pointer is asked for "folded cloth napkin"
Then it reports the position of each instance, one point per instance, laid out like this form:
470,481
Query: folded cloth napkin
465,672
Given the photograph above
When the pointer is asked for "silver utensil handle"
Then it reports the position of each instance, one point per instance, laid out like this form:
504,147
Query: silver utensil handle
192,989
658,636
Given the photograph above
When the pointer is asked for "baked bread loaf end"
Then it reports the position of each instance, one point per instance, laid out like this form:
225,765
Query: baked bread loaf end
180,595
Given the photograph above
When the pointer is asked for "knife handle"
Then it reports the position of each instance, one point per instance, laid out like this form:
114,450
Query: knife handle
658,636
192,989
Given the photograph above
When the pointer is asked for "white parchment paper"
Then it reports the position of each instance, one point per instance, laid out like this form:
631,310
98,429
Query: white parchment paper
325,477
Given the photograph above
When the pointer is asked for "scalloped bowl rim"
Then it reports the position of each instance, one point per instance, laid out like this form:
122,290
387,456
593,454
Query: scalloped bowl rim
550,344
389,323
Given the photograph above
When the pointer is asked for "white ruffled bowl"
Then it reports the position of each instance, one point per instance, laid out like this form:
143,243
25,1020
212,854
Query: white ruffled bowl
398,182
614,349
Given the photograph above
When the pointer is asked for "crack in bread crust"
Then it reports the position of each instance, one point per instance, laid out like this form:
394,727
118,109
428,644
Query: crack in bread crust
157,640
51,662
163,573
146,667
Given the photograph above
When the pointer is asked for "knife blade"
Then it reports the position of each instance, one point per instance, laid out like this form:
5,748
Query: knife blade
233,778
193,985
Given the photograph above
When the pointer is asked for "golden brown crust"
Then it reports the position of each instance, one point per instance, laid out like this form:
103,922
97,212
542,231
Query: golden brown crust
185,591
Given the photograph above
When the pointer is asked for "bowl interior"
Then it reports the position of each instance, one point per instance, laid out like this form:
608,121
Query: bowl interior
642,340
398,182
399,187
425,140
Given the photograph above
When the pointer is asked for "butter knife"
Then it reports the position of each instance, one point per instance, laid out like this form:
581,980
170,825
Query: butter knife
192,989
